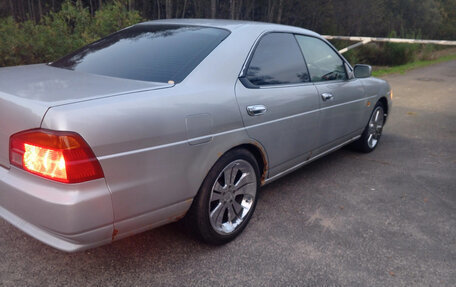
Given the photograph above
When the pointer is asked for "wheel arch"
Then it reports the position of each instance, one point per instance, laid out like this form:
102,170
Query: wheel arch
196,217
384,102
260,155
255,148
258,152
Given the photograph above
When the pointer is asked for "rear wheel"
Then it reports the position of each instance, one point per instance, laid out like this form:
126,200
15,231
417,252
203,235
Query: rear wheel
373,131
227,198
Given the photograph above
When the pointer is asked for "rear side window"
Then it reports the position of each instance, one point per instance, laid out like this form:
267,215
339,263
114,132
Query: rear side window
156,53
277,60
324,64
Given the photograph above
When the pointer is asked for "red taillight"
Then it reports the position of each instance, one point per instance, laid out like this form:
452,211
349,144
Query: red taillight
60,156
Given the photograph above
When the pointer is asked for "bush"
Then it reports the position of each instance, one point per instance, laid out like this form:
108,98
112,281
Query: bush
386,54
399,54
112,18
60,32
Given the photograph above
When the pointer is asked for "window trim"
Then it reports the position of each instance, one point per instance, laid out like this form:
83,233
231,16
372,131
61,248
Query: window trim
243,74
249,85
344,61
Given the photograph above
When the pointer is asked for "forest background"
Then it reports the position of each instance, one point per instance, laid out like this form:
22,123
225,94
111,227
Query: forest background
36,31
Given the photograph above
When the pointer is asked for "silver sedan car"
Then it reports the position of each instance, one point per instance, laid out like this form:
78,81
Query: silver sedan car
174,118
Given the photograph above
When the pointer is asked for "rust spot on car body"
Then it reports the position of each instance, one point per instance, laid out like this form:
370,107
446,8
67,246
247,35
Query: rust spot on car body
114,233
179,217
265,163
176,218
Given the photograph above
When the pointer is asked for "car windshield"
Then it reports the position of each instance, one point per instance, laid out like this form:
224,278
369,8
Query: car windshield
155,53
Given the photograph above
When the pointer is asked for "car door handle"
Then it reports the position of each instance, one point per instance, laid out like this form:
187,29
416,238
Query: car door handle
327,96
256,110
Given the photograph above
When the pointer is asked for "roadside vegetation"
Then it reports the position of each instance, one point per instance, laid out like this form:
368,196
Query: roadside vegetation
58,33
382,71
44,30
389,58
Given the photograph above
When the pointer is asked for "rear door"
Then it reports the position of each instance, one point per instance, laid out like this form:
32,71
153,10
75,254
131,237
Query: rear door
341,97
278,103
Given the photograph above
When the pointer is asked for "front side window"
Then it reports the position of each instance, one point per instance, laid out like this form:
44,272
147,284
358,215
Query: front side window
156,53
323,62
277,60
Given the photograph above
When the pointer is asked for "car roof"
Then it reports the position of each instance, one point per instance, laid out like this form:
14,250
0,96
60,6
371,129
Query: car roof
232,25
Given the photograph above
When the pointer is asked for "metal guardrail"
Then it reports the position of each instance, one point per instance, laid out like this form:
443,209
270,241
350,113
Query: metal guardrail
364,40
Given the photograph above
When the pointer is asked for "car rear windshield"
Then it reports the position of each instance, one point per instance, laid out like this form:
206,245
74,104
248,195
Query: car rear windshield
156,53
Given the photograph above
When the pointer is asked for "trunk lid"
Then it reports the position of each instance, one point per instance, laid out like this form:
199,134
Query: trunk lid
27,92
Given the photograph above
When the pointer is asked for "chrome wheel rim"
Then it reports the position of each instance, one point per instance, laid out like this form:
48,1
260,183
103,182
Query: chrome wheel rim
232,196
375,127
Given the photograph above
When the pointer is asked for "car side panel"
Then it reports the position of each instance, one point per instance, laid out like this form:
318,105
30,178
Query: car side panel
142,145
156,147
376,88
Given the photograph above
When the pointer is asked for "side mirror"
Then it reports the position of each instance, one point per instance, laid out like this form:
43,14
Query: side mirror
362,71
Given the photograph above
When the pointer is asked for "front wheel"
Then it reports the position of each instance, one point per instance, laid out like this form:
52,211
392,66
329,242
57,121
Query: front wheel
227,198
373,131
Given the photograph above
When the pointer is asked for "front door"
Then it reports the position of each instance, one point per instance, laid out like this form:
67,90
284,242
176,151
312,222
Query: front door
341,99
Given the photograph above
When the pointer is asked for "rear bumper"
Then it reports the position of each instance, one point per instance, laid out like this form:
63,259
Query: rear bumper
69,217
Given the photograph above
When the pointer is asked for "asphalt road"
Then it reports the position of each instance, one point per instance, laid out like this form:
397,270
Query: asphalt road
383,219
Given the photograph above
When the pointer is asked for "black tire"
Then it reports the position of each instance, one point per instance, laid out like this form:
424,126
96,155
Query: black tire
199,219
364,143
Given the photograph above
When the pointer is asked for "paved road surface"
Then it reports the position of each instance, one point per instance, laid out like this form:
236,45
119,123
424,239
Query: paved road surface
383,219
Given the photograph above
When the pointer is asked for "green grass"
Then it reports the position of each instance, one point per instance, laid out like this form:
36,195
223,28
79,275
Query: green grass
410,66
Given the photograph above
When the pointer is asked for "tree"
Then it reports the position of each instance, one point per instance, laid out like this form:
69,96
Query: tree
213,8
424,18
169,9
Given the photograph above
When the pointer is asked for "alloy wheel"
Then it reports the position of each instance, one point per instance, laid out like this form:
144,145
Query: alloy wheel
375,127
232,196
